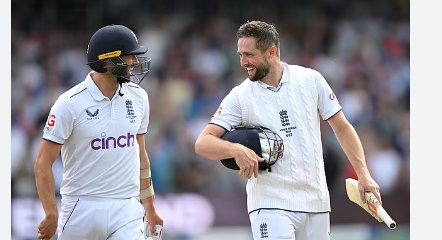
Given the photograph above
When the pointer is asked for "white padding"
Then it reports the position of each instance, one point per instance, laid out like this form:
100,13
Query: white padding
145,173
147,192
265,148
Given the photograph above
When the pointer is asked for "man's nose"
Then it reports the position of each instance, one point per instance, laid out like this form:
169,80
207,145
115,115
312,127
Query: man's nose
243,62
135,60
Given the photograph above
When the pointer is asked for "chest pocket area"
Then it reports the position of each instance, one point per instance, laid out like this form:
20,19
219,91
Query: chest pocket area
128,116
91,123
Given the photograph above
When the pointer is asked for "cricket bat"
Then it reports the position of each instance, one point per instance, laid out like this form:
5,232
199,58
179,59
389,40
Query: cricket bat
373,207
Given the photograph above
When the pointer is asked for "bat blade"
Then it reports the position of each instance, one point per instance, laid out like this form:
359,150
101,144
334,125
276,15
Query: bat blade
372,206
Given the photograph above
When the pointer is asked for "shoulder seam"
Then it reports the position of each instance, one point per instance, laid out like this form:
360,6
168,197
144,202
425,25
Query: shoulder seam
78,92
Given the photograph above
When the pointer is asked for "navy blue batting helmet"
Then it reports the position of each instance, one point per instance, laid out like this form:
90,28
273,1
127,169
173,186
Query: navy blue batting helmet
106,47
263,141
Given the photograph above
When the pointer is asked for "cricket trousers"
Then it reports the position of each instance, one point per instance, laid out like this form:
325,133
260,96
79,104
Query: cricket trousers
89,218
275,224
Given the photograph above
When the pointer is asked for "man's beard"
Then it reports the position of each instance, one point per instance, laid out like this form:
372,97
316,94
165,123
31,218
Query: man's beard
125,78
122,80
260,73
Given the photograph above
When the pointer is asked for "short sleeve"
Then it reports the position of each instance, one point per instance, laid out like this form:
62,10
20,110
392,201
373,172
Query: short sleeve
228,114
60,122
328,104
146,115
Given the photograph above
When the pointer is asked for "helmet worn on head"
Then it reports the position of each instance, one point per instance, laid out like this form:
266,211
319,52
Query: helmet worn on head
263,141
106,47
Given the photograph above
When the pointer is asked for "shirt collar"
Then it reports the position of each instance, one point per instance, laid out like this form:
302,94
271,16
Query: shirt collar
285,77
94,90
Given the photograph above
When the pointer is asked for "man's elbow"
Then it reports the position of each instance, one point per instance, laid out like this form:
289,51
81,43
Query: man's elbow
199,146
42,167
38,168
346,128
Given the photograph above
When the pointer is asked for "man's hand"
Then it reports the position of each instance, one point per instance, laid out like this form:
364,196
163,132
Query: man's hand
367,184
247,161
48,227
151,220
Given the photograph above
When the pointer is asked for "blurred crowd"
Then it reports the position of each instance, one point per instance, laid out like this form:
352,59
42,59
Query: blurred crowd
362,49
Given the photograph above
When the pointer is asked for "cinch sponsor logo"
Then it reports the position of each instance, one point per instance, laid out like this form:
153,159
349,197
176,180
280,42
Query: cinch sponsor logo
113,142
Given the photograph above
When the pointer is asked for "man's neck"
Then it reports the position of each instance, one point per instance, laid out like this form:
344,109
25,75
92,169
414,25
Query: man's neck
274,76
107,84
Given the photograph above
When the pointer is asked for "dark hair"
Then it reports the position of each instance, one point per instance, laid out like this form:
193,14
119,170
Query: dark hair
265,34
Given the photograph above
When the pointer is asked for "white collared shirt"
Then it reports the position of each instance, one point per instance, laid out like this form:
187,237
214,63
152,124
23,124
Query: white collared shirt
100,151
293,111
228,115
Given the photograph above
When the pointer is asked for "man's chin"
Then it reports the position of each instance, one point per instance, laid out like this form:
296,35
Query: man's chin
251,78
122,80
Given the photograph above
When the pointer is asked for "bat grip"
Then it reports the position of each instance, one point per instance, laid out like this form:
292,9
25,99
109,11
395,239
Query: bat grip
386,218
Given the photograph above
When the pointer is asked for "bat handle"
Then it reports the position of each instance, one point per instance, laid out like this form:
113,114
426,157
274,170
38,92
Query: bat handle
386,218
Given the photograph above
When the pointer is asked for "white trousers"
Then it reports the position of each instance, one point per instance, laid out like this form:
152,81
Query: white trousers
100,219
280,224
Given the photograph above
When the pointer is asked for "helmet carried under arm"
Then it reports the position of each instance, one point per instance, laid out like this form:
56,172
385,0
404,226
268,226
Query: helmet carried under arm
263,141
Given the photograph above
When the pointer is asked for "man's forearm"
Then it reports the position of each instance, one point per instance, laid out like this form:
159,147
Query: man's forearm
214,148
145,184
352,147
148,204
46,189
146,181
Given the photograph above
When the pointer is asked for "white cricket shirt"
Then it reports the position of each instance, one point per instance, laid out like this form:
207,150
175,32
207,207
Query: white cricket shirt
100,152
293,110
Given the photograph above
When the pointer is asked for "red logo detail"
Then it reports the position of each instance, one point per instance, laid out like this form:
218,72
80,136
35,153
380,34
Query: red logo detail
372,208
281,148
278,149
218,112
51,120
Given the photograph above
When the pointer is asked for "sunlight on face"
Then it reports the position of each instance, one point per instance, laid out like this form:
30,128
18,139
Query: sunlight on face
131,60
252,59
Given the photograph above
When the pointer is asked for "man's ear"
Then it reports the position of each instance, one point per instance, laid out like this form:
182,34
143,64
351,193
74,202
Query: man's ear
273,50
